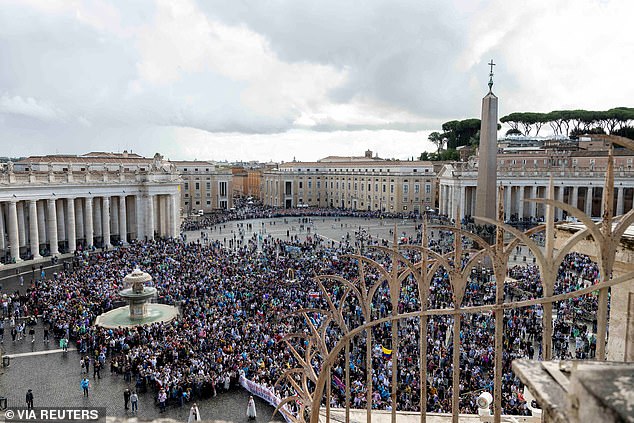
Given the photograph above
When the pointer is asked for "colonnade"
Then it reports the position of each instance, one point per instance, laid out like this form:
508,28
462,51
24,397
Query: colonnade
32,227
586,198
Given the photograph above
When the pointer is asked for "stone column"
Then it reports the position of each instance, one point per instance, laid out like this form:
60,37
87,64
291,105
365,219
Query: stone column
575,197
88,224
114,216
507,201
97,204
51,224
123,224
79,220
175,216
439,199
589,201
14,237
532,208
155,212
170,216
139,209
461,201
2,235
41,222
21,224
106,221
560,197
620,192
149,209
71,230
163,215
520,203
61,221
33,229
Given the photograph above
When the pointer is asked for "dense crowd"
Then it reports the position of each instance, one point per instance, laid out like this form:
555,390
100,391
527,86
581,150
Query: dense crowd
236,304
262,212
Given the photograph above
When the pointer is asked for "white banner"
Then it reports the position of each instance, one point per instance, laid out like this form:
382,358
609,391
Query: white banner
263,392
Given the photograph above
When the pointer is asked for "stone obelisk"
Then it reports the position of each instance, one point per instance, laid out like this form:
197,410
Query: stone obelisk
487,155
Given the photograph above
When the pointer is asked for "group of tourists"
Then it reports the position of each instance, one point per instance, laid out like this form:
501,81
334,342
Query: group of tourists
236,305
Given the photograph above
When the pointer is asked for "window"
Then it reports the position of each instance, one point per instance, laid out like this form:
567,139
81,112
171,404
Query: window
310,185
208,186
186,185
301,185
427,188
392,189
222,188
416,188
208,202
197,186
405,189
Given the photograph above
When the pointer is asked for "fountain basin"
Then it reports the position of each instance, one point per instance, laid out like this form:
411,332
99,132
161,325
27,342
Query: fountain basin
120,317
138,311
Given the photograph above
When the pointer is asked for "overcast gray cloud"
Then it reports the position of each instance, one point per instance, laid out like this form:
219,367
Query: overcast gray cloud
309,78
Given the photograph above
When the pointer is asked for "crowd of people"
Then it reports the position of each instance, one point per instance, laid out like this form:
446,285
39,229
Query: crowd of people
208,221
236,304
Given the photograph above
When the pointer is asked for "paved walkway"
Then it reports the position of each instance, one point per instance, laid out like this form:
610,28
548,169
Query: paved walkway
54,379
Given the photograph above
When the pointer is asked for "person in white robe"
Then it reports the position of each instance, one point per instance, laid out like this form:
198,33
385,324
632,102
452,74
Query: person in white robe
251,414
194,414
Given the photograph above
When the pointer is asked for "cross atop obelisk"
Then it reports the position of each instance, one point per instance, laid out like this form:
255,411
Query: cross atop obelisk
491,75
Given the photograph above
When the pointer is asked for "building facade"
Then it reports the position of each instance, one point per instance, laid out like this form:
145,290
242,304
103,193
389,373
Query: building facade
47,212
205,186
246,181
353,183
577,170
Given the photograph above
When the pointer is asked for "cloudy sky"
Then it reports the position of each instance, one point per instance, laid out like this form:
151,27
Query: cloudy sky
283,79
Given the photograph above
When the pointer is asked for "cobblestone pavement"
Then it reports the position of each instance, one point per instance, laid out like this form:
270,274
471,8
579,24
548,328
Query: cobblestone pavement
54,379
329,228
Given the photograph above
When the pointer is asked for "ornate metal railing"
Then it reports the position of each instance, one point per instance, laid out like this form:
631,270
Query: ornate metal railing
316,356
